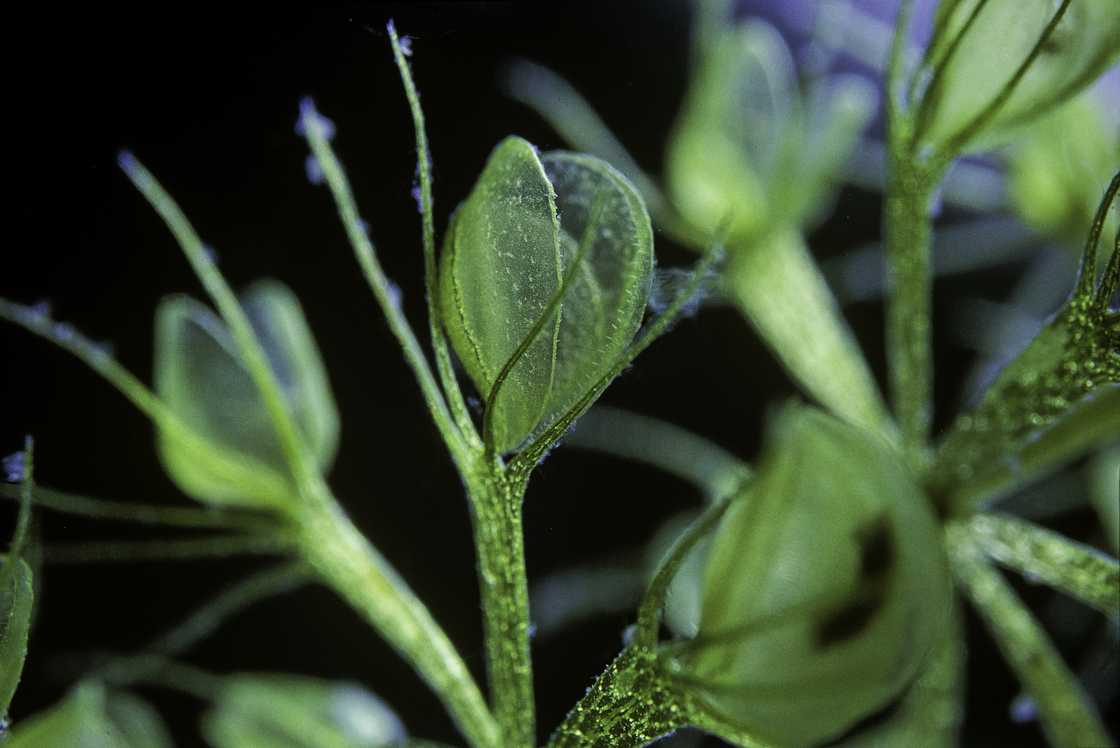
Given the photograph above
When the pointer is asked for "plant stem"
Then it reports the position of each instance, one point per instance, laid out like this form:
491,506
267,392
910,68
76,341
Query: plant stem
784,295
630,704
909,350
346,561
496,498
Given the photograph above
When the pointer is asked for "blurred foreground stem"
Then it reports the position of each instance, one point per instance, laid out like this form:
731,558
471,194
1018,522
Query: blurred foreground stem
347,562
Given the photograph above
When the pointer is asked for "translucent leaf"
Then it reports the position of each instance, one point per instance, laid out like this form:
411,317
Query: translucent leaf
977,60
91,717
749,150
508,252
825,588
930,712
201,378
287,711
501,265
729,140
16,598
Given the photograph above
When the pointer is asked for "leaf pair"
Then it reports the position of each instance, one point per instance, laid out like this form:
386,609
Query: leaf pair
202,378
995,64
544,279
822,590
750,150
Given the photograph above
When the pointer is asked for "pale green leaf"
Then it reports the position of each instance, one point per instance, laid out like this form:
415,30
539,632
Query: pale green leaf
287,711
825,588
92,717
204,382
138,724
931,709
16,599
543,284
501,264
971,63
1055,181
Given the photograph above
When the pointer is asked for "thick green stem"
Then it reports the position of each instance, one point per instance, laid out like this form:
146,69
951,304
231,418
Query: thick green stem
496,499
346,561
781,291
630,704
907,233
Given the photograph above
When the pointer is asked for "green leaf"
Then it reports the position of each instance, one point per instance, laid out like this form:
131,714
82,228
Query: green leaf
749,149
287,711
203,380
1055,181
92,717
825,588
977,49
931,710
544,279
17,597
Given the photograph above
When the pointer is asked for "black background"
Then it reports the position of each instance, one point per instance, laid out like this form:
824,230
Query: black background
208,101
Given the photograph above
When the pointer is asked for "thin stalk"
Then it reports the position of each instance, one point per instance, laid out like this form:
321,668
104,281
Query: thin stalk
446,371
383,289
1068,716
190,549
248,343
496,499
140,513
666,446
348,563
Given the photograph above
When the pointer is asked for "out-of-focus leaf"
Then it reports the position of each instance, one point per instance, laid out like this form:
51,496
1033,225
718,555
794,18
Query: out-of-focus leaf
287,711
824,590
978,59
200,376
92,717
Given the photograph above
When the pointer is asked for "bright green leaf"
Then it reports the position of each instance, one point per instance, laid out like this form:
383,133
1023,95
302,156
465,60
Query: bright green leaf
971,63
287,711
16,599
201,378
531,228
825,588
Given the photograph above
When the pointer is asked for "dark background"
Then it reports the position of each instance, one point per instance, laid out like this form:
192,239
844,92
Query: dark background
208,101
